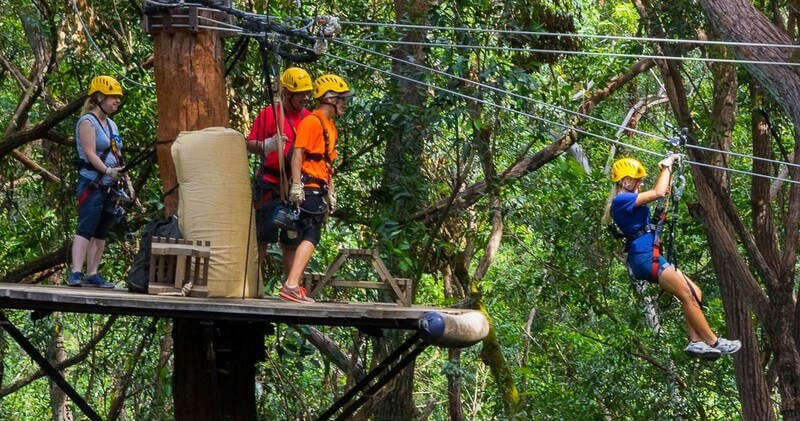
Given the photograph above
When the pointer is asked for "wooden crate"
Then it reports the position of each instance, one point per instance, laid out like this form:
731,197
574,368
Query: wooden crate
179,267
399,287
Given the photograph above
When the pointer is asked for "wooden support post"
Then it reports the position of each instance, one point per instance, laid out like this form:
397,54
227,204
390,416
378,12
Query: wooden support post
190,94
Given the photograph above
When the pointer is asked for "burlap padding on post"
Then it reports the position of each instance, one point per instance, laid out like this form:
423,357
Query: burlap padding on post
215,202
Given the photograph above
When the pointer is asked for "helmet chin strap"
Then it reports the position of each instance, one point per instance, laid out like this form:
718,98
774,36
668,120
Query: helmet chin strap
629,185
100,105
333,105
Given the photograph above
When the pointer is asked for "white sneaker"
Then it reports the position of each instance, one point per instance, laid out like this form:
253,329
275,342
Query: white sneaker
727,347
702,350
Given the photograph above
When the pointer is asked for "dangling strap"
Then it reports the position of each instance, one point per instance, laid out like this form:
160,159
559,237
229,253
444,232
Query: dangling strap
279,122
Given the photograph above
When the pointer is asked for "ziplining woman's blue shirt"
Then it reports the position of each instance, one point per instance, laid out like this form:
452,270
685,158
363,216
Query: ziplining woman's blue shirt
632,219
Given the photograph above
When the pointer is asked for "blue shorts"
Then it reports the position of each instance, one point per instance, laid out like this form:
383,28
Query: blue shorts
641,264
93,219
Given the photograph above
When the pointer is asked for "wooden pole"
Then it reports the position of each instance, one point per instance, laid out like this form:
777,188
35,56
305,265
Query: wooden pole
209,380
190,93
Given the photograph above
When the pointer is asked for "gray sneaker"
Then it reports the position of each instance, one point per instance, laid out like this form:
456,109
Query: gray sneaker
727,347
702,350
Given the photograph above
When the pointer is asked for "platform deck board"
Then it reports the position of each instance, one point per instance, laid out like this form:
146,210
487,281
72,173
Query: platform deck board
269,309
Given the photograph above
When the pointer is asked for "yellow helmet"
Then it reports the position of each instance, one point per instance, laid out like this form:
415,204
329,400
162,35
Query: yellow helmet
105,84
627,167
333,84
295,79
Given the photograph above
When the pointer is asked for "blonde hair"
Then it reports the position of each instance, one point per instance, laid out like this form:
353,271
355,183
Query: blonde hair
606,219
91,103
615,190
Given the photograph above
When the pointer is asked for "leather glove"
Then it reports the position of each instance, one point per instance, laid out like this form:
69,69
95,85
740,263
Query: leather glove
271,144
331,200
668,161
114,173
296,193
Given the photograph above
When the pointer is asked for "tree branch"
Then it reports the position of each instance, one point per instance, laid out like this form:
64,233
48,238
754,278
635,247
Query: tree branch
473,193
45,262
331,350
41,130
33,166
77,358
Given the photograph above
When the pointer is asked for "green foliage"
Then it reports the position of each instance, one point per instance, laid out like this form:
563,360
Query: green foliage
569,322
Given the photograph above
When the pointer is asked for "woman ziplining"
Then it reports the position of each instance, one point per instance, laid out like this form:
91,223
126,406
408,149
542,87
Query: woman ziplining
628,209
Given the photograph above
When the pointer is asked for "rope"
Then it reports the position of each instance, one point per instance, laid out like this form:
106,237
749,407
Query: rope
239,49
677,193
278,114
260,19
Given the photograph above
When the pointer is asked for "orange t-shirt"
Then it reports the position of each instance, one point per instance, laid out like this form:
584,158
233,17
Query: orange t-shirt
310,138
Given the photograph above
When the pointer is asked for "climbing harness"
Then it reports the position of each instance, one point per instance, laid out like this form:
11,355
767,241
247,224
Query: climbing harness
659,218
325,155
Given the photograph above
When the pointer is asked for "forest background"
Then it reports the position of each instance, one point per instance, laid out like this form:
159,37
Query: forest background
476,161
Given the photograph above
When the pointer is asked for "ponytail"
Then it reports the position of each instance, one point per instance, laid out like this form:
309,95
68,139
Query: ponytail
91,102
606,219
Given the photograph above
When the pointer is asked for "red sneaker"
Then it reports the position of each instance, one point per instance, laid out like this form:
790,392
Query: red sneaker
295,294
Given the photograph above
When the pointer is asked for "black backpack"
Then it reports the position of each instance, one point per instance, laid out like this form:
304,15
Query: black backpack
139,275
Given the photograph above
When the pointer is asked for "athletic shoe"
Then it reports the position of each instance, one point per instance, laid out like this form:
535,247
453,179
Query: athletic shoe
97,281
702,350
75,279
295,294
727,347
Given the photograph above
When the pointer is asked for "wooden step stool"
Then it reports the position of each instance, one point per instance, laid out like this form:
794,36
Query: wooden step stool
175,262
399,287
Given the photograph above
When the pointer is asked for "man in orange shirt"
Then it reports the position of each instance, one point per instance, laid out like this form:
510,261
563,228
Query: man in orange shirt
312,186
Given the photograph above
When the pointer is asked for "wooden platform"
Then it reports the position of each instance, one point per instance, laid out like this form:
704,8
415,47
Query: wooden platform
270,309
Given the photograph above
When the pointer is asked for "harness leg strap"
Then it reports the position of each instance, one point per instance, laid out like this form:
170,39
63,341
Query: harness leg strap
656,259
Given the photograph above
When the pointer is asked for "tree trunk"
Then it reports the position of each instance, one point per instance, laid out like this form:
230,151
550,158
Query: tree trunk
454,405
740,21
492,353
190,92
56,355
492,356
753,390
398,405
402,162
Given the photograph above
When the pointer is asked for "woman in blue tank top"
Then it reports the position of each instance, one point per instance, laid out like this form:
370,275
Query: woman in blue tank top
627,208
98,143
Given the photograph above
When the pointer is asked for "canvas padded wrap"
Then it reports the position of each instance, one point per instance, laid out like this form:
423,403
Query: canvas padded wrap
215,205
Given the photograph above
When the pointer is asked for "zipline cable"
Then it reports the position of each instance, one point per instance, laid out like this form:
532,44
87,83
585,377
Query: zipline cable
570,52
562,125
573,35
252,17
256,17
100,52
556,107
